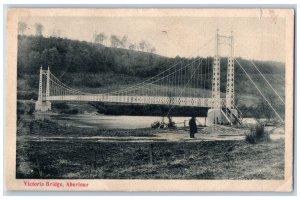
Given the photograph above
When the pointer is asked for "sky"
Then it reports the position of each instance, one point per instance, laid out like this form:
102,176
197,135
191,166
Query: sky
254,38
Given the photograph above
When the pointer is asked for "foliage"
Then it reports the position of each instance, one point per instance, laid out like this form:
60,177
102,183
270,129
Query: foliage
64,55
100,38
257,134
61,106
39,28
24,108
22,26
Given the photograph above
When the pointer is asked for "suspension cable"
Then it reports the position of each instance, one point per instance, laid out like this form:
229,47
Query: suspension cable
267,82
167,76
259,90
134,86
58,83
183,89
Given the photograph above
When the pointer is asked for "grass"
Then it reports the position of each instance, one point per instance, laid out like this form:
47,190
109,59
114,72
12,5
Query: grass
72,159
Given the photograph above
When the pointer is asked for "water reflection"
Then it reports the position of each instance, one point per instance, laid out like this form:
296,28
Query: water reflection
124,122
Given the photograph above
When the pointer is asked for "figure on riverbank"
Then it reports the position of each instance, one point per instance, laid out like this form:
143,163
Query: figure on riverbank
193,127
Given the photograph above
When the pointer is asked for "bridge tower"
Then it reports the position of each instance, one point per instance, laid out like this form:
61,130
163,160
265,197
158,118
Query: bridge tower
230,109
42,104
230,76
222,112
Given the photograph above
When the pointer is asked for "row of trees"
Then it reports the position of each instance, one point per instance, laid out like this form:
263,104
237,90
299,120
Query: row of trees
23,27
113,41
38,29
122,42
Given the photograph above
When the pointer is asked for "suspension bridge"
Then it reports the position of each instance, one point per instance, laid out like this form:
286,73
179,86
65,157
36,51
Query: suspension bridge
182,84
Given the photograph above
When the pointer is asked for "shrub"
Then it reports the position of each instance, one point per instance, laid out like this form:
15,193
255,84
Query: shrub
257,134
25,107
260,131
61,106
251,137
25,95
71,111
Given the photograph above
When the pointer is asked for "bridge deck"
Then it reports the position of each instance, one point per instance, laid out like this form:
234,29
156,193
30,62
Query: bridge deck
158,100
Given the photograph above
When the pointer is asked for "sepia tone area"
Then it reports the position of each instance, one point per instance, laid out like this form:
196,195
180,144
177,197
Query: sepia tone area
152,98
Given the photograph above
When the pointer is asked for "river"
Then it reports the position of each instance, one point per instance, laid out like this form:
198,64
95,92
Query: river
122,122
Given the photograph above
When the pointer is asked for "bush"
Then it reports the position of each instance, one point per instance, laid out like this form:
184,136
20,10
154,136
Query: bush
251,137
260,131
257,134
25,107
71,111
25,95
61,106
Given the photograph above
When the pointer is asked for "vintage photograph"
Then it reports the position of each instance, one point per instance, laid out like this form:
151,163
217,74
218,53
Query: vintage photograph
155,94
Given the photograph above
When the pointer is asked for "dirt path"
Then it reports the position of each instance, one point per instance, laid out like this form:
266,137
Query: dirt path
213,133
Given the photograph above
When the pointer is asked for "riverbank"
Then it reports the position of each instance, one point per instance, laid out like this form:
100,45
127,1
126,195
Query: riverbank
48,149
81,159
218,152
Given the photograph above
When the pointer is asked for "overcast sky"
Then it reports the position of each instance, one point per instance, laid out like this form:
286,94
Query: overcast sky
260,39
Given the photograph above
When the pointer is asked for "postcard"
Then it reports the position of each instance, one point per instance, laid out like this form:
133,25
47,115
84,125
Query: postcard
154,99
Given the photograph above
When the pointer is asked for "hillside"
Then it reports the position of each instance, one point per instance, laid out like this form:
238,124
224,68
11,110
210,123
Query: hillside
95,68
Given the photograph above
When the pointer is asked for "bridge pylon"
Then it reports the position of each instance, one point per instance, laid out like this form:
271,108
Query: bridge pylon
222,112
43,104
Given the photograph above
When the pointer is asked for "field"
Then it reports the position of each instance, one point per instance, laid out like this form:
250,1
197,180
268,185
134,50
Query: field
106,155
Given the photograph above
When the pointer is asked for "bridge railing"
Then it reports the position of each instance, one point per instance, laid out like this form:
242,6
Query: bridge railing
160,100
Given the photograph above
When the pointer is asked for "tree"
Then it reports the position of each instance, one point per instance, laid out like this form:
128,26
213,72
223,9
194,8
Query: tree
114,41
56,33
124,41
39,28
152,50
131,46
54,60
147,47
142,45
22,26
34,61
264,108
100,38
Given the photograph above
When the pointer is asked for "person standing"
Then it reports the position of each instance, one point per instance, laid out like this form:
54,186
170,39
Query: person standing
193,127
